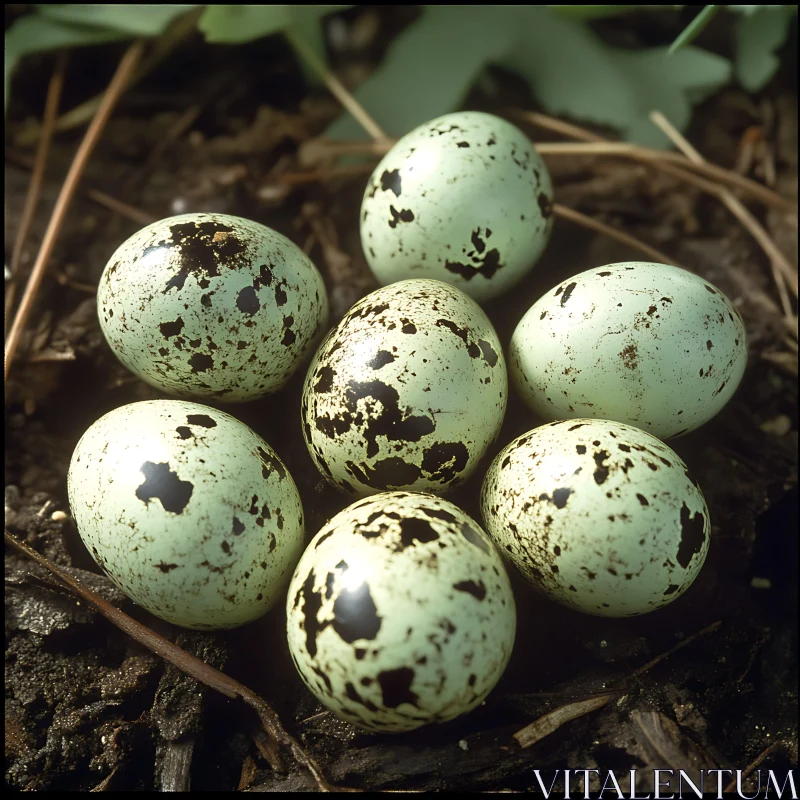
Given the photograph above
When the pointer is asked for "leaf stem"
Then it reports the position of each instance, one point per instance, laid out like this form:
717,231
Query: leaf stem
693,29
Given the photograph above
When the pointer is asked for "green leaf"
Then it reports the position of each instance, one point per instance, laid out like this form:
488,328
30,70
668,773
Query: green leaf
35,33
573,73
693,29
757,38
135,20
598,12
671,84
430,67
750,10
234,24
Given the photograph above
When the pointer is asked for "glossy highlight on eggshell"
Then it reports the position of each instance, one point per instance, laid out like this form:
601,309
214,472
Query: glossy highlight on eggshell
188,511
211,305
406,392
647,344
465,199
599,516
400,613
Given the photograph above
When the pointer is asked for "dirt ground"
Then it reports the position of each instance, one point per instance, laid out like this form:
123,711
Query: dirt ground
87,707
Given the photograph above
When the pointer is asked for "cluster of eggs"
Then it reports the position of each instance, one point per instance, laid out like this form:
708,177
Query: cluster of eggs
399,611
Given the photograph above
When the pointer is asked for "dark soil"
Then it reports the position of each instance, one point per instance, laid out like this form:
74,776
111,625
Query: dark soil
87,707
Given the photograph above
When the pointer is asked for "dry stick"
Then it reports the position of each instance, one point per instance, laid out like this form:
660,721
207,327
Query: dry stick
592,143
115,89
782,270
553,720
331,148
558,126
671,163
541,727
101,198
312,176
123,209
186,662
35,185
637,673
747,771
631,241
336,87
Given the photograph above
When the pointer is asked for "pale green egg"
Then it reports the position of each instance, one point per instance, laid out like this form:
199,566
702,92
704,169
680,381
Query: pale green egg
465,199
188,511
211,305
406,392
598,515
647,344
400,613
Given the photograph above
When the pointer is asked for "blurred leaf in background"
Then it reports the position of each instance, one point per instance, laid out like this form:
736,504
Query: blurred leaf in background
760,31
135,20
571,71
433,63
430,67
53,27
600,12
235,24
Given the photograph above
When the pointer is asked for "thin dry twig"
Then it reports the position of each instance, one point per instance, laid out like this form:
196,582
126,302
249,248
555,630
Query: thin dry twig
549,722
554,719
631,241
35,185
321,150
314,175
337,88
750,768
661,159
184,661
114,91
126,210
557,126
123,209
637,673
782,271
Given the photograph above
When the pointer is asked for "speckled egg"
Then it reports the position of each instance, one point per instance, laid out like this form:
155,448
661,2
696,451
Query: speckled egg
464,199
600,516
188,511
647,344
406,392
210,305
400,613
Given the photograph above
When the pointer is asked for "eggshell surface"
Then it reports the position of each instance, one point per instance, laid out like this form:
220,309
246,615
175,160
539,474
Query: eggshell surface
211,305
464,198
646,344
598,515
400,613
406,392
188,511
